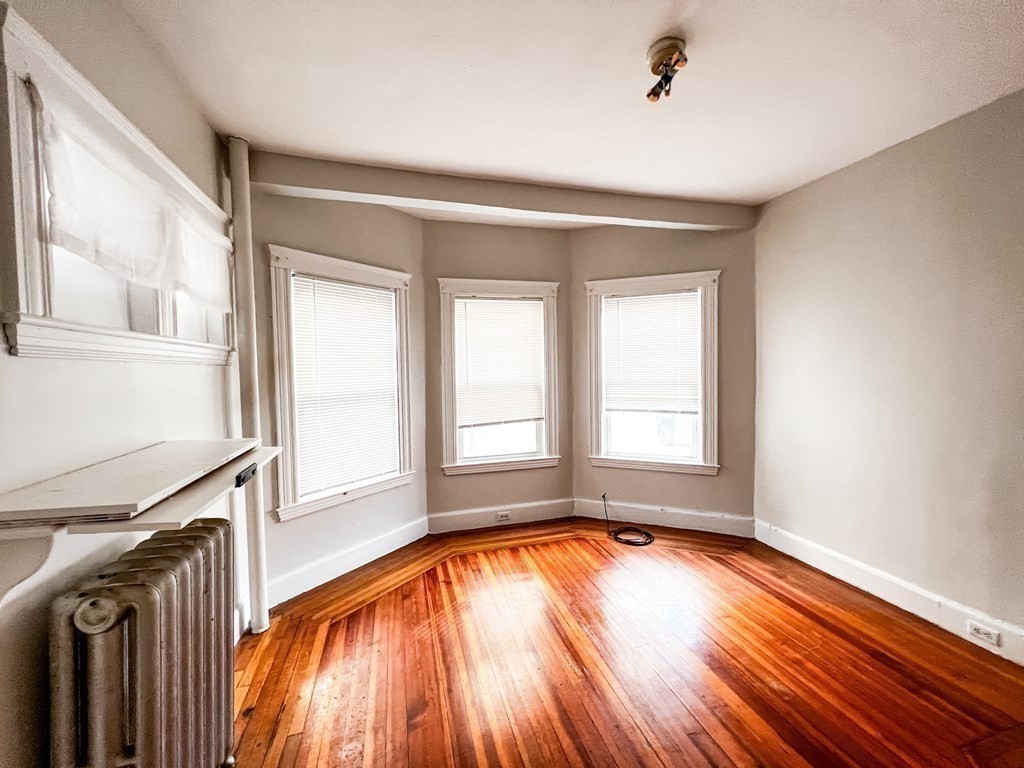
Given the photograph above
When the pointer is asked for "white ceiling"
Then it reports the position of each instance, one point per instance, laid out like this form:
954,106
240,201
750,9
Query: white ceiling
777,92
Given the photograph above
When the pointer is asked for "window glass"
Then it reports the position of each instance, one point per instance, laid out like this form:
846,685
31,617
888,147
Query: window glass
190,318
82,292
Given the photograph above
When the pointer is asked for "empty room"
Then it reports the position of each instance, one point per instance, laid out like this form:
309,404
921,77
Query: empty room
537,383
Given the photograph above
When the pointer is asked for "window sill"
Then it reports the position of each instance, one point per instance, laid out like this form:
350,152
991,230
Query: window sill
33,336
655,466
500,466
336,498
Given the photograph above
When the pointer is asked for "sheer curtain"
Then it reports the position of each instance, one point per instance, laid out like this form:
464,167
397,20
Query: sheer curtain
111,213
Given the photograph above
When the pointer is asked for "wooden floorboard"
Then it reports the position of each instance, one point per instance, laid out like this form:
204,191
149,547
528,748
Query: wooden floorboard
549,644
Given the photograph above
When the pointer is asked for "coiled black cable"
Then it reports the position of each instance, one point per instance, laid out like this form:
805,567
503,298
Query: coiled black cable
627,534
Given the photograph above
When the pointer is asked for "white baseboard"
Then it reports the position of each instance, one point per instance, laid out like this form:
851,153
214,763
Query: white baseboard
485,517
320,571
672,517
942,611
643,514
243,615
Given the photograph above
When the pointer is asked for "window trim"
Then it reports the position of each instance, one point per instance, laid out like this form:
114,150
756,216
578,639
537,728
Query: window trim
25,307
285,262
707,283
517,289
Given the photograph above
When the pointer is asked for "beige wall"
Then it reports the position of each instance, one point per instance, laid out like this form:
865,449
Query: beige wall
890,419
495,253
309,550
435,249
608,252
57,415
490,251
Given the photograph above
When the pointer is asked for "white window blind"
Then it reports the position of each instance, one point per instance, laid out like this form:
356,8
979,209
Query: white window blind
499,359
346,381
651,375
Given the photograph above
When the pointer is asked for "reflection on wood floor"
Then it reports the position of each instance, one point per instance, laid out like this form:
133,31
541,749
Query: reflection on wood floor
548,645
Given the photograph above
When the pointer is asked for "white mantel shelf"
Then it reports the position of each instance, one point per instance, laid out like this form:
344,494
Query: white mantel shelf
190,502
188,492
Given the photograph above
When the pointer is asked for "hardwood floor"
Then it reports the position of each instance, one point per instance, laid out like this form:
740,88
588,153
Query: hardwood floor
548,645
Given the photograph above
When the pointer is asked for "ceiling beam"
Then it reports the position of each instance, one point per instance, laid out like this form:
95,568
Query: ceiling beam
454,195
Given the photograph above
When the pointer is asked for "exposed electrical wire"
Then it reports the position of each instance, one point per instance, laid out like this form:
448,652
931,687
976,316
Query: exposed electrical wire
665,58
627,534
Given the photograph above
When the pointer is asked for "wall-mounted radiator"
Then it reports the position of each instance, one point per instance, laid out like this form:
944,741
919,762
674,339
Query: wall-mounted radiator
141,657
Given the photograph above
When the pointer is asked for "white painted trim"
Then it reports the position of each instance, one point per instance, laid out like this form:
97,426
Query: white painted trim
510,465
486,288
672,517
307,178
25,259
26,266
310,575
630,286
190,502
942,611
534,201
655,466
547,292
284,395
285,263
593,384
32,336
707,285
242,617
337,269
485,517
642,514
59,67
336,498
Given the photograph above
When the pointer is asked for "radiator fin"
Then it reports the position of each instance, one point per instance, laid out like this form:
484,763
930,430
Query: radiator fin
141,657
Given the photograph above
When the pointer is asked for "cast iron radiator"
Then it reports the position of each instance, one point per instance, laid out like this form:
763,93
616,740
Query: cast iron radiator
141,657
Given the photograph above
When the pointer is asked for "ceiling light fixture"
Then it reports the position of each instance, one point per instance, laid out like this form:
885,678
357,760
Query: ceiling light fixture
665,58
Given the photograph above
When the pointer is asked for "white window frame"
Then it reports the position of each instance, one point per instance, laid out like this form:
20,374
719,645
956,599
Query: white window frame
517,289
284,263
707,284
26,264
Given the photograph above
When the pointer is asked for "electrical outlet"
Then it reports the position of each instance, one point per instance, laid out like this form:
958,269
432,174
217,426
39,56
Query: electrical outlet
983,633
504,517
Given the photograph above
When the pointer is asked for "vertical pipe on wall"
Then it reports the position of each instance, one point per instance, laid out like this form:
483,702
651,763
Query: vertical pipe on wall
245,319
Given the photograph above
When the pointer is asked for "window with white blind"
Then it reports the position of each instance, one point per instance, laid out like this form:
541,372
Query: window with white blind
498,349
342,391
654,372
